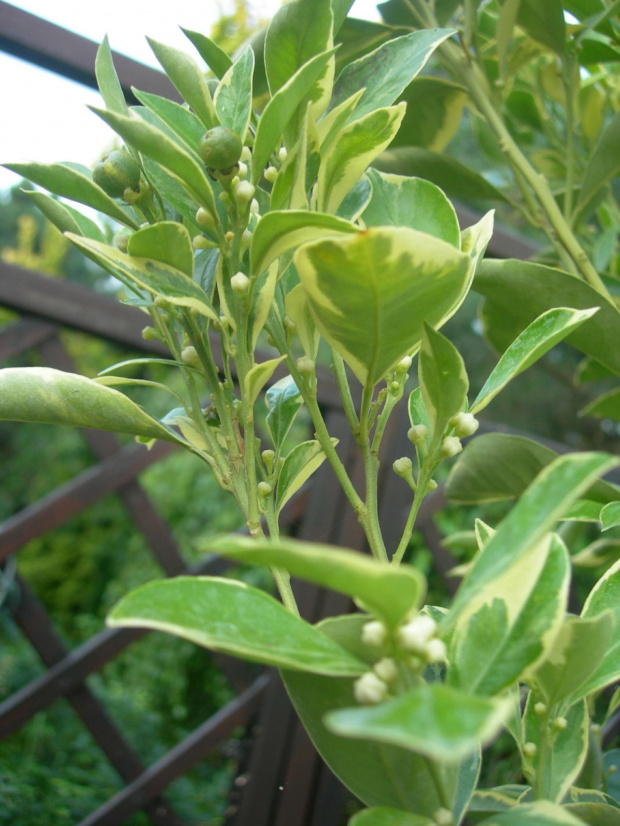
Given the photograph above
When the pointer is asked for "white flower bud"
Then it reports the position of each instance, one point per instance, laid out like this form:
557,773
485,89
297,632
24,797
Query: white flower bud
305,366
199,242
204,218
242,172
435,651
450,446
416,633
369,689
560,723
443,817
386,669
530,749
190,356
404,364
240,283
253,206
224,197
282,153
374,633
264,489
246,238
246,154
465,424
418,434
403,467
244,192
271,173
540,709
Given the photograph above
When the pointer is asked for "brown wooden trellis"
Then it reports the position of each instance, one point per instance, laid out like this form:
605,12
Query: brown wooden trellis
284,782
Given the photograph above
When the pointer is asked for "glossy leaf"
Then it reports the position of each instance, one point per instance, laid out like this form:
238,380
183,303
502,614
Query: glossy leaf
382,816
560,765
69,183
352,151
173,193
434,110
605,596
188,79
283,401
303,460
450,175
576,653
510,624
596,554
443,379
387,71
390,593
480,473
555,488
606,406
65,218
595,814
299,31
107,79
258,377
42,394
356,200
297,310
536,340
522,291
434,720
371,294
147,274
181,164
166,241
182,121
233,97
298,172
215,58
541,813
418,413
231,617
603,164
544,22
497,799
281,109
411,202
610,516
278,232
334,121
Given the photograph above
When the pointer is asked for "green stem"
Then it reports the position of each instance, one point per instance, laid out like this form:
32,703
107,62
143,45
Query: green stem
435,772
282,578
426,474
345,392
570,136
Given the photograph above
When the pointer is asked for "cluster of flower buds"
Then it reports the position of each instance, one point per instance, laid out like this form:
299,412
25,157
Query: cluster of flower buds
464,424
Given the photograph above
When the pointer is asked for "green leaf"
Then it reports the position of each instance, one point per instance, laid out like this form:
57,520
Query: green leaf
303,460
380,775
390,593
352,151
603,552
589,370
603,164
595,814
370,294
356,200
388,70
434,720
233,97
283,401
411,202
560,765
450,175
166,241
434,110
281,109
418,413
577,651
180,120
480,473
107,79
443,379
536,340
498,799
334,121
542,813
258,377
610,516
215,58
41,394
64,217
544,22
382,816
583,510
522,291
154,276
183,165
69,183
606,406
278,232
555,488
298,172
173,193
233,618
605,596
188,80
299,31
262,293
612,758
505,29
510,623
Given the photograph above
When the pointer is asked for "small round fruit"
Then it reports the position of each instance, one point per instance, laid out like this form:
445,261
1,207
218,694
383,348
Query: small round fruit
220,148
117,171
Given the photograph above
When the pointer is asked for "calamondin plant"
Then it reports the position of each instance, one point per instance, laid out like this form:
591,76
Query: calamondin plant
260,244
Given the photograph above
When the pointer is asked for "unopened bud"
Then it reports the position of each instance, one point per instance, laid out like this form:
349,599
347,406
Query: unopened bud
560,723
443,817
464,424
230,236
540,709
435,651
246,154
291,327
121,241
369,689
253,206
264,489
530,749
242,172
240,283
418,434
268,456
415,635
149,334
282,153
404,364
271,173
224,197
244,192
190,356
246,239
199,242
374,633
305,366
450,446
386,669
432,485
403,467
204,218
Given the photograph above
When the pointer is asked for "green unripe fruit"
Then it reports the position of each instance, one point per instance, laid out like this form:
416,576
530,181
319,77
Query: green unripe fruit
117,171
220,148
